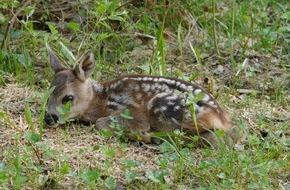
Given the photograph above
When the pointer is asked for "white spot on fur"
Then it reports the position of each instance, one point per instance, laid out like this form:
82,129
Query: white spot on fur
163,108
164,88
190,88
160,109
115,104
197,91
114,85
172,97
211,103
175,121
176,108
155,86
183,86
98,87
188,115
145,87
206,98
169,81
134,86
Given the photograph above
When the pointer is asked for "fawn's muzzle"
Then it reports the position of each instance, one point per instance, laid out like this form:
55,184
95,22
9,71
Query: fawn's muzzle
50,119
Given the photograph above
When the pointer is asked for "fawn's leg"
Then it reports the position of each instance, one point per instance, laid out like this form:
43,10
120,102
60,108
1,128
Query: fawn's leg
136,129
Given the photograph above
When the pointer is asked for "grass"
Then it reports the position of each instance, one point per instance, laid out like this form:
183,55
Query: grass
201,40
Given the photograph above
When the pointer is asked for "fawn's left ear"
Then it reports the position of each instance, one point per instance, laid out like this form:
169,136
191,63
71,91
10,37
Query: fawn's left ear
54,61
86,66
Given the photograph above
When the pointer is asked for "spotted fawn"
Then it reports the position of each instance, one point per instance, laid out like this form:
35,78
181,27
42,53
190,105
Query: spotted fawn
155,103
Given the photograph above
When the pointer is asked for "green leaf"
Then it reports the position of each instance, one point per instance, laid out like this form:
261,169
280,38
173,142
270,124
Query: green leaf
91,176
101,8
73,25
156,176
102,37
18,181
32,137
81,151
145,68
46,95
29,10
96,147
166,147
196,53
109,152
106,133
111,183
3,175
67,53
126,114
2,19
193,76
52,29
131,163
44,100
286,15
28,117
115,18
199,97
130,175
64,168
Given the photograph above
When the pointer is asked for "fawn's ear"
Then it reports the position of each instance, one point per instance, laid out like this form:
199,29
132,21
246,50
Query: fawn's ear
86,66
55,63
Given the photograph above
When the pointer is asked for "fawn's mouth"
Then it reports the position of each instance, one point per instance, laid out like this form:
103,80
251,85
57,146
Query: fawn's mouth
51,120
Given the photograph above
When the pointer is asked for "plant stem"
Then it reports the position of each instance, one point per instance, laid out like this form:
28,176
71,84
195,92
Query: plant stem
233,62
214,28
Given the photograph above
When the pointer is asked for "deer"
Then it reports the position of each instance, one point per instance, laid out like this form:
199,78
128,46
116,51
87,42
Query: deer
155,103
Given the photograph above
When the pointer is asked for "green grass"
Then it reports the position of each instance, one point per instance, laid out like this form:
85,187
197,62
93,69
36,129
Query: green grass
187,39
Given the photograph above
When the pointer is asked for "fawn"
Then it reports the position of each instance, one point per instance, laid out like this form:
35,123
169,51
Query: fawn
156,104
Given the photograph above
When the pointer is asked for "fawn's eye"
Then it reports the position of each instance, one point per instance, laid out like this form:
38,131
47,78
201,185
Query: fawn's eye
67,99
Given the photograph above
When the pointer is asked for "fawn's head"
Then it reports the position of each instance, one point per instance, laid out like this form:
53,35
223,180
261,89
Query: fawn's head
72,89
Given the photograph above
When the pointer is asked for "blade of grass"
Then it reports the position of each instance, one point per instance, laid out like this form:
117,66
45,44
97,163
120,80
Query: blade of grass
43,107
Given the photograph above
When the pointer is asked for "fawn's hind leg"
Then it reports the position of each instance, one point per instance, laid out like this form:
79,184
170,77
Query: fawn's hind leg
212,122
212,138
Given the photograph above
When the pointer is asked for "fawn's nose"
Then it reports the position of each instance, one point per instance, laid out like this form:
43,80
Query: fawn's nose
50,119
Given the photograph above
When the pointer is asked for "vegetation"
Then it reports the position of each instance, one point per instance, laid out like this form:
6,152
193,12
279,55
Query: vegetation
238,50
